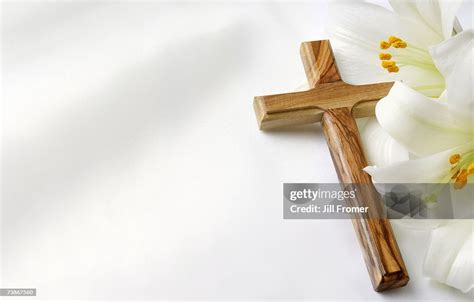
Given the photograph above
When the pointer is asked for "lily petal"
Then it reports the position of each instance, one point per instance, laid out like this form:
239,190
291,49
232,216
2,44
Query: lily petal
438,15
448,11
454,59
356,29
355,40
380,148
430,169
424,126
462,271
405,8
427,81
449,258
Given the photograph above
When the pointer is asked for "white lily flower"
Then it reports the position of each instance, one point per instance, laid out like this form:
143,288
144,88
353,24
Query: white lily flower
436,131
356,30
441,134
373,44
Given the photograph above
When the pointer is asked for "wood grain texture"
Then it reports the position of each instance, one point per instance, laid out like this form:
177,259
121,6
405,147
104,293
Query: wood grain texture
379,247
319,64
289,108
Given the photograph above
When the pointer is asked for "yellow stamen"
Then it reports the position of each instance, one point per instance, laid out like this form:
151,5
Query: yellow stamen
393,39
400,44
388,64
396,42
454,159
455,175
385,56
459,184
384,45
461,180
393,69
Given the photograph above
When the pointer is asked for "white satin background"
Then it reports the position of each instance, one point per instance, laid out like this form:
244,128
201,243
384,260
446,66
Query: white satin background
132,165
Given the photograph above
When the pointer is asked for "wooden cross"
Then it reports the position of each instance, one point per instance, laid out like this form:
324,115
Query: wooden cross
333,103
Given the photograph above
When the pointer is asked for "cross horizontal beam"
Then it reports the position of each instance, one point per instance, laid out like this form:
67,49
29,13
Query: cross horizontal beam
307,107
